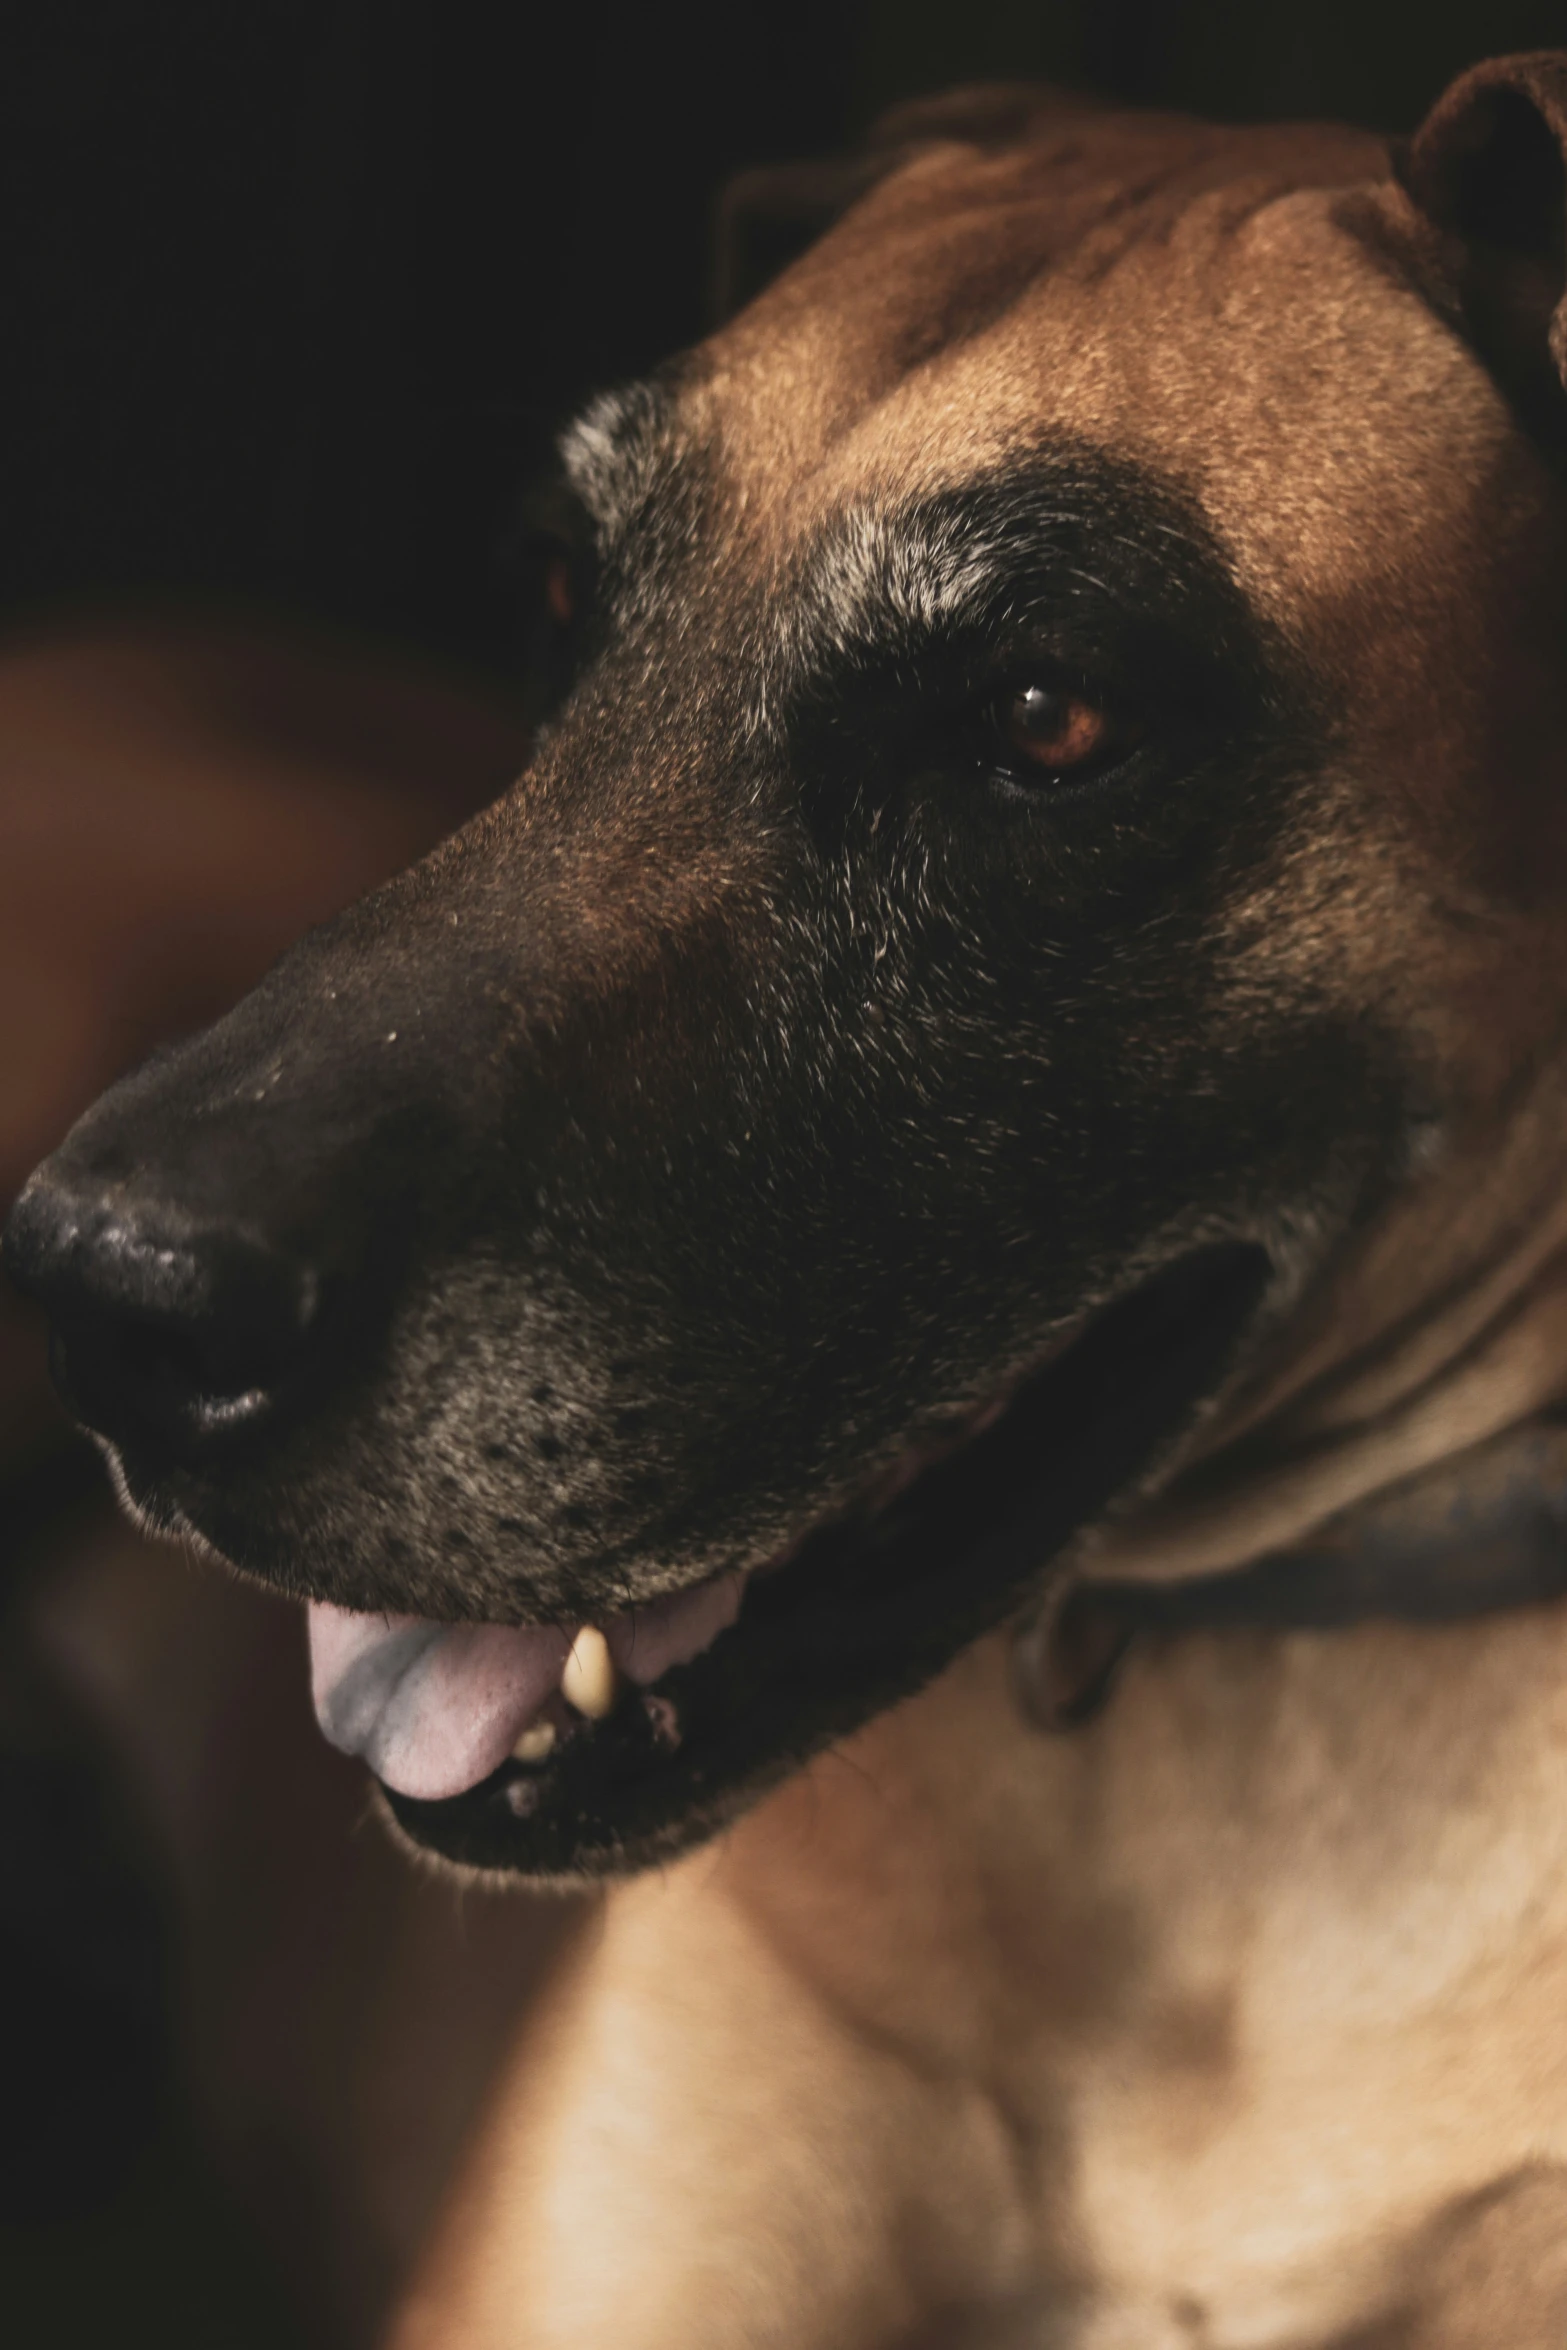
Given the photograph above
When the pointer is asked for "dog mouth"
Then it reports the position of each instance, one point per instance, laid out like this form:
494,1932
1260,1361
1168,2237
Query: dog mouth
556,1751
436,1709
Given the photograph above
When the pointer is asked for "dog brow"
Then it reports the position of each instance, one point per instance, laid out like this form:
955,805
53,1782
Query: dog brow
888,572
616,452
887,579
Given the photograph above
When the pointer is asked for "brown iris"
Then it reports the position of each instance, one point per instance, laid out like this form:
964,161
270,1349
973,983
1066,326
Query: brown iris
1053,729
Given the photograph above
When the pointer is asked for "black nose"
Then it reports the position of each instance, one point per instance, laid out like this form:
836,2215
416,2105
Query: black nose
166,1330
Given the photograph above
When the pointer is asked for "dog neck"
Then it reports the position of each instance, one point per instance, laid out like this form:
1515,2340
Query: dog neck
1440,1331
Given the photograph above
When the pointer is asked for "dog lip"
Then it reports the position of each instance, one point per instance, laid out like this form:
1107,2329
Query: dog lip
436,1708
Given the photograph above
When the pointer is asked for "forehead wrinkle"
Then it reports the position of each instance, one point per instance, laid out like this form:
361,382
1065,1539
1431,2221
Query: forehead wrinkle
961,245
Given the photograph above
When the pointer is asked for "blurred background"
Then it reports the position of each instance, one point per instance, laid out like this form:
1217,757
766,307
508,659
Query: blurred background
295,298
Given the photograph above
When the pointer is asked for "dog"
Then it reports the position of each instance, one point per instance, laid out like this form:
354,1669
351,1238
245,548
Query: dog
917,1298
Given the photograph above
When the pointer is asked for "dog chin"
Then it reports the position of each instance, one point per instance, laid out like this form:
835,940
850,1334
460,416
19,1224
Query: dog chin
562,1753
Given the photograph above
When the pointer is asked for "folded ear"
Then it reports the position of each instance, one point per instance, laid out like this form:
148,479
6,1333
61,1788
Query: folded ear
1488,167
767,218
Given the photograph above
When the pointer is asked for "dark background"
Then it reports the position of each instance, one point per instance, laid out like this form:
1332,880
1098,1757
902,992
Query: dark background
296,292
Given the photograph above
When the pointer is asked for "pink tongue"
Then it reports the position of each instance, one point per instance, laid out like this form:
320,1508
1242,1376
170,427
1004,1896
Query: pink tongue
435,1708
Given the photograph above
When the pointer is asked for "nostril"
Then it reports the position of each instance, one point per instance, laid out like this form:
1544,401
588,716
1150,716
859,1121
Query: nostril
125,1376
161,1330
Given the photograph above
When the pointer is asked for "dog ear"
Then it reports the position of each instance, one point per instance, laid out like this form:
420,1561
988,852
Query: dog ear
1488,167
768,218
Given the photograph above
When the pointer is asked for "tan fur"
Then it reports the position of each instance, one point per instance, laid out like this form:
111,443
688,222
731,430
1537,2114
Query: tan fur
1198,2028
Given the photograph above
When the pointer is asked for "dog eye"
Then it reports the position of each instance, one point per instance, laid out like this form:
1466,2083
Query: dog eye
1051,730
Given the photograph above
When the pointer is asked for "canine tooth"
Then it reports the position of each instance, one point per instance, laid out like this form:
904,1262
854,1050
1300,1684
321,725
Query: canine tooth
589,1681
536,1742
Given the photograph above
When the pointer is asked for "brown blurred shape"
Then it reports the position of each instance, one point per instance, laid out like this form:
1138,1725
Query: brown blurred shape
176,804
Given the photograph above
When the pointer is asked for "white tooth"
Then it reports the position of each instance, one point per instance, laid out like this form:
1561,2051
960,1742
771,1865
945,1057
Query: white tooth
536,1742
589,1680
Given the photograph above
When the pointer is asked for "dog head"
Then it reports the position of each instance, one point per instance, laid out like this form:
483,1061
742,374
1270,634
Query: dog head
1056,820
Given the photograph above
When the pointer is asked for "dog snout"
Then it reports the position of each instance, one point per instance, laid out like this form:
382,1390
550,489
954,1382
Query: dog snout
167,1331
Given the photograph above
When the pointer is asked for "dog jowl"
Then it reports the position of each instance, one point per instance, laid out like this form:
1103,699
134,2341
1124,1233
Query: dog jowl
986,925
